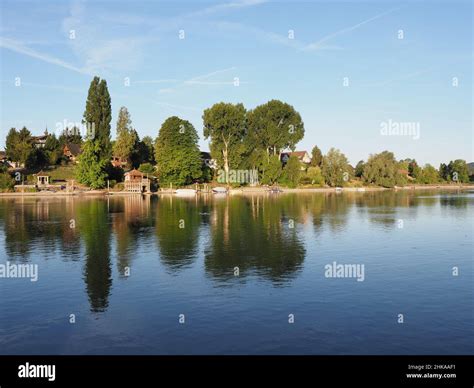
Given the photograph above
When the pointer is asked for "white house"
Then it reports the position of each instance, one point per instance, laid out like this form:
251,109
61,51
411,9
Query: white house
302,156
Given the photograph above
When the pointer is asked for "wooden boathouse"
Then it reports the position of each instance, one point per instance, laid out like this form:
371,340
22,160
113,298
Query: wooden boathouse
136,182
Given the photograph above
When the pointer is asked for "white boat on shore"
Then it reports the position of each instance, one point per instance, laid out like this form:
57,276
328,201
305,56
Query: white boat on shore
361,189
338,189
219,190
186,192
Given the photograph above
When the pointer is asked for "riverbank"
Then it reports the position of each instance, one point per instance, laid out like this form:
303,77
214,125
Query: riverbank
371,188
244,190
55,194
302,190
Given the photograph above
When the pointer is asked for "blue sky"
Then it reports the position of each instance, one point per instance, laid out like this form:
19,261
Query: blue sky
407,80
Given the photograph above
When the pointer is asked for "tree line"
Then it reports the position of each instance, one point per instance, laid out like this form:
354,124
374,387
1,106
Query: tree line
239,139
20,147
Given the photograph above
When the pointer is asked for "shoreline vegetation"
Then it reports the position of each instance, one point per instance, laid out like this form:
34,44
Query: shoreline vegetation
251,151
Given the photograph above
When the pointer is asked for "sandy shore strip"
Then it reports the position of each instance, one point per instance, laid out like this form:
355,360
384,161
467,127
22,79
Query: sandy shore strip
245,190
252,190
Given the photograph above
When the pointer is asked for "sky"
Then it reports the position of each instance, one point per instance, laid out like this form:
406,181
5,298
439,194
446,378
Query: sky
355,71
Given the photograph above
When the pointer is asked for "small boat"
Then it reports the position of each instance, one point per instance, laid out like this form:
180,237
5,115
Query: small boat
219,190
274,190
361,189
187,192
338,189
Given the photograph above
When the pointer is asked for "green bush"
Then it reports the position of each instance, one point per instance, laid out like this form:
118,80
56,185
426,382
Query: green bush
7,183
146,168
429,175
382,170
119,186
271,170
292,172
315,176
304,179
335,168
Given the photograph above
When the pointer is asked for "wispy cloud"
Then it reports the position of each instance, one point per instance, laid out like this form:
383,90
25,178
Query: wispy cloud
54,87
204,79
21,48
269,36
225,7
155,81
178,108
406,77
173,22
98,52
211,82
321,42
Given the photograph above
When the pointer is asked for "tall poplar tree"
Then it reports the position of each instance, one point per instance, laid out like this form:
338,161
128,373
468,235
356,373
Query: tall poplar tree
127,137
97,149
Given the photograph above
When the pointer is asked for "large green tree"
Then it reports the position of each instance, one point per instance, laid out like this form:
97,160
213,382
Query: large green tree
94,161
275,126
404,164
127,138
335,167
52,150
316,157
225,126
429,174
458,171
253,157
455,171
382,170
444,172
413,169
19,147
98,116
70,135
271,170
177,153
11,143
292,171
92,170
359,169
147,150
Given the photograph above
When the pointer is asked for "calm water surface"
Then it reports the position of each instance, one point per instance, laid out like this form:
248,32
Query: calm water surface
182,254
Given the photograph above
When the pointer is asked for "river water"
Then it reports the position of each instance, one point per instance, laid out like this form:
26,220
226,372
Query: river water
324,273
